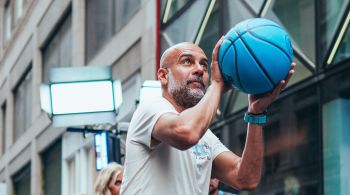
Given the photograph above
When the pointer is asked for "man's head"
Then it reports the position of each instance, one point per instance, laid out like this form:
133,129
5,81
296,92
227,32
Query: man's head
184,74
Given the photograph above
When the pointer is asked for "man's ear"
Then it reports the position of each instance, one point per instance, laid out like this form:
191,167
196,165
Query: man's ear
163,76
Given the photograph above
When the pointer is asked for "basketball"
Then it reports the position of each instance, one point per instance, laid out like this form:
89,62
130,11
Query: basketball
255,56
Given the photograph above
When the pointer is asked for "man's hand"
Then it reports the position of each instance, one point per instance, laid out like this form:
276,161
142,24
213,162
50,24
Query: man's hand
259,103
215,70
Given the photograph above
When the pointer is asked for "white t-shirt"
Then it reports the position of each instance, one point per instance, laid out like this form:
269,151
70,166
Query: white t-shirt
162,169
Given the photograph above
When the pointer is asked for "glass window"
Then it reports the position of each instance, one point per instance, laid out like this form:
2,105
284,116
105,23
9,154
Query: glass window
72,188
21,181
335,121
8,21
51,160
99,25
18,8
22,95
162,7
58,51
172,7
298,18
211,32
3,128
232,101
125,9
225,103
233,13
343,51
240,100
331,13
255,4
300,73
185,27
292,145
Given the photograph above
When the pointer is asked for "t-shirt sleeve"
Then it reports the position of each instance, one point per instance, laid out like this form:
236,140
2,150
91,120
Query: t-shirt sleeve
144,119
217,146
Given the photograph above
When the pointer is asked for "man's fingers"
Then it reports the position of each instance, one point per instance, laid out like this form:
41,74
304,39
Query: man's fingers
290,74
216,49
278,89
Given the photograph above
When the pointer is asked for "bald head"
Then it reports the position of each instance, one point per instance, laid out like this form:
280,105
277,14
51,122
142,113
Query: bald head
184,74
171,55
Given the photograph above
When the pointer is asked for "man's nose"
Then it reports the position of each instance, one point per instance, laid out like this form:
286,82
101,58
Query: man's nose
198,69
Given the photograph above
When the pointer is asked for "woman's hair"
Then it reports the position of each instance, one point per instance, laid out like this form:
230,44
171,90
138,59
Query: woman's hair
106,177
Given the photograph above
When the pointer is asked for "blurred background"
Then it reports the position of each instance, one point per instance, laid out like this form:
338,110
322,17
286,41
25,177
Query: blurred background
307,137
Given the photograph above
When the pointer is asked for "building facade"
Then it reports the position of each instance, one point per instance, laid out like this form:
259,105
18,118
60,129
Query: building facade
306,150
36,158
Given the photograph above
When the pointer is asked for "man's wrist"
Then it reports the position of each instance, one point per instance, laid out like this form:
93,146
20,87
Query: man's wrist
256,118
218,84
256,111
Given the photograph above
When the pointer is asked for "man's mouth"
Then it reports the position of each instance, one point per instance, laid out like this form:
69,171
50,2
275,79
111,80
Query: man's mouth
196,84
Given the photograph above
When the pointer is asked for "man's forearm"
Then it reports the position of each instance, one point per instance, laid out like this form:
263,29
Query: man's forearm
200,116
252,158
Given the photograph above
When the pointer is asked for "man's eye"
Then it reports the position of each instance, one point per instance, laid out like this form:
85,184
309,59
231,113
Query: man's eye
205,66
187,61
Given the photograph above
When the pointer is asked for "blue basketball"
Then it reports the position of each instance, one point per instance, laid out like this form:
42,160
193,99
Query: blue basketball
255,56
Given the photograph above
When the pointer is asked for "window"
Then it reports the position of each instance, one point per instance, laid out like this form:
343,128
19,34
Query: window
21,181
104,19
58,51
52,165
8,21
331,13
172,7
186,26
3,128
292,144
72,188
233,13
19,8
335,118
255,4
298,18
14,10
99,25
124,11
344,48
23,104
211,33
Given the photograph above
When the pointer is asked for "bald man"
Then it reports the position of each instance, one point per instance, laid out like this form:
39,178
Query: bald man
169,148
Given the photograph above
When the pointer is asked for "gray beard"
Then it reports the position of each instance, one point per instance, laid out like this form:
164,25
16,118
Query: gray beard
184,96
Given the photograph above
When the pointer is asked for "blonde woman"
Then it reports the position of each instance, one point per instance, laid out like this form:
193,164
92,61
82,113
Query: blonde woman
109,180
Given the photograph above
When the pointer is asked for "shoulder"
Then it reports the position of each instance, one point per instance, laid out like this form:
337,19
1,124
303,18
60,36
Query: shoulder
150,111
155,105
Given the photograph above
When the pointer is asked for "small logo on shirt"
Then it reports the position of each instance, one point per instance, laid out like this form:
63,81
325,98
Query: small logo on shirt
202,151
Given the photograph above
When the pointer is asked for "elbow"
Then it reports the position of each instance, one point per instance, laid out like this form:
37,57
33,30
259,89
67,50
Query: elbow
188,142
249,185
187,139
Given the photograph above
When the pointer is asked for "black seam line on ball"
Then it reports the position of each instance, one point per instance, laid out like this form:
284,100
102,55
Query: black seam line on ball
255,59
239,80
223,56
278,47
